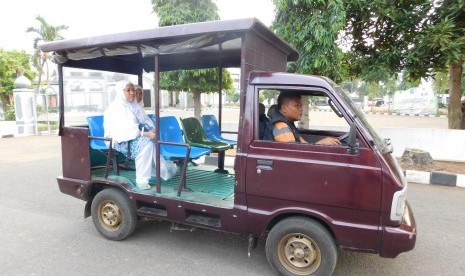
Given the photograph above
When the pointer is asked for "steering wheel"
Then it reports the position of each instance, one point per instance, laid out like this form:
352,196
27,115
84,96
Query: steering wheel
343,137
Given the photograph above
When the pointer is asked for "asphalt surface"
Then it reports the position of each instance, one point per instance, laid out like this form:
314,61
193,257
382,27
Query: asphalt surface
43,231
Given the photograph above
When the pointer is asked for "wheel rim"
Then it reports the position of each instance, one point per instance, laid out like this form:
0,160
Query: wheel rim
109,215
299,254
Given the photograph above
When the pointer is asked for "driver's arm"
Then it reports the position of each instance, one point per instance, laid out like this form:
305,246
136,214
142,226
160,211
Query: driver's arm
302,140
329,141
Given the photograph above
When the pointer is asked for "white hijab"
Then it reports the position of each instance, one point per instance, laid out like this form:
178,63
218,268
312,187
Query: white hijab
141,103
122,118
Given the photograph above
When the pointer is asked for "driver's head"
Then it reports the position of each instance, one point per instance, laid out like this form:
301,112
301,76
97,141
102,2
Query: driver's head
290,105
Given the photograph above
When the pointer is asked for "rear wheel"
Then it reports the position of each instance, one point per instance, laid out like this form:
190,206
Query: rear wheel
113,215
301,246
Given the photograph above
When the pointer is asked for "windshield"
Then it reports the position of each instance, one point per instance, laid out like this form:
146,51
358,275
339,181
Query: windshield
360,116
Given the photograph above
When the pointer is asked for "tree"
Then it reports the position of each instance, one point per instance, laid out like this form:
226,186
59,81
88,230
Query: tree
441,81
11,63
174,12
441,45
420,37
380,32
45,32
313,27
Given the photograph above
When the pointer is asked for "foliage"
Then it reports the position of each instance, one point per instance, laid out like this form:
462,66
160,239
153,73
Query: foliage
205,80
441,41
11,64
419,37
44,126
174,12
45,32
10,114
232,96
312,27
380,32
441,81
269,95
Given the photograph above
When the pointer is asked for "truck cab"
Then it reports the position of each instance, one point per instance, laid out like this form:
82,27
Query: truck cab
308,200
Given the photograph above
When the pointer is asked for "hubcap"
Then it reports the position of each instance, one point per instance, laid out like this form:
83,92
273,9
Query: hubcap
110,215
299,254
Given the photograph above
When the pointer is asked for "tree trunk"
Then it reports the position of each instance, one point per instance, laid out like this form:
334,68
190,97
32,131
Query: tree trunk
172,101
417,157
304,121
176,97
197,104
455,93
40,77
5,101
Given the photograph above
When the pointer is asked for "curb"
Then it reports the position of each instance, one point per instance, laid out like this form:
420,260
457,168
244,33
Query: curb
436,178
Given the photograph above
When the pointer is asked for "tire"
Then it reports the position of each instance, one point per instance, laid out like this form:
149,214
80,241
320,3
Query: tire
301,246
113,215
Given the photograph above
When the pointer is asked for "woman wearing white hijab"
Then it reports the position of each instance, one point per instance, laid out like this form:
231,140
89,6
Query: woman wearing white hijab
121,123
139,95
140,102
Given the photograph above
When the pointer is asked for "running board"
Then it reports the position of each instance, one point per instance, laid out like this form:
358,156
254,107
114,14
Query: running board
204,219
148,211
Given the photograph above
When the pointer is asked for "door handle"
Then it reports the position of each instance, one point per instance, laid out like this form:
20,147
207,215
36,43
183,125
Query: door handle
263,162
264,165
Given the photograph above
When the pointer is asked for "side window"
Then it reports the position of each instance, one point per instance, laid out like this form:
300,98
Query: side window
313,114
266,107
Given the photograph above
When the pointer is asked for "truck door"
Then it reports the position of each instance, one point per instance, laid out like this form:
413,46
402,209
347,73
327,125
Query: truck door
327,182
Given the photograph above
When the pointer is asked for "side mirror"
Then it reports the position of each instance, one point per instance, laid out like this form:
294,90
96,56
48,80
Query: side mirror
352,140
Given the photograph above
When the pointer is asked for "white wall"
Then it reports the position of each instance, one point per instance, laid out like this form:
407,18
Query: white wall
442,144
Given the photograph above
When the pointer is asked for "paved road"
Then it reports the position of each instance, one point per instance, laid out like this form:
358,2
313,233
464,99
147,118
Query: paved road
43,232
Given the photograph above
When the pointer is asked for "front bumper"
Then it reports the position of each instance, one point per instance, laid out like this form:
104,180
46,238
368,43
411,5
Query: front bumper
401,238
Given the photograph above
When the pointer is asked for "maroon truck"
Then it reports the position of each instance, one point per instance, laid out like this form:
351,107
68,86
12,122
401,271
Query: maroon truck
308,200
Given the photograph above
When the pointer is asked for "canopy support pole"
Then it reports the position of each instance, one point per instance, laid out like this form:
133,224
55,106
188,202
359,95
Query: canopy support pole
157,120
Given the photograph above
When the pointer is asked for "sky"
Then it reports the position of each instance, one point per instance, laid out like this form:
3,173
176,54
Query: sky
86,18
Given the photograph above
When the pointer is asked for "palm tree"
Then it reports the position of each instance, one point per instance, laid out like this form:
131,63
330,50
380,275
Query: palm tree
45,32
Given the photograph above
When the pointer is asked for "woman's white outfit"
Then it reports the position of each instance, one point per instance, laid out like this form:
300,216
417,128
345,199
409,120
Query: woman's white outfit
121,123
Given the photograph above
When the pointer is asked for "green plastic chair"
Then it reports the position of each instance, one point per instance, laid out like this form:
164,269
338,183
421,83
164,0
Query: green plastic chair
195,136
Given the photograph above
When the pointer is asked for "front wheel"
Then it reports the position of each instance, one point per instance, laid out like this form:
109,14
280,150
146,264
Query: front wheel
113,215
301,246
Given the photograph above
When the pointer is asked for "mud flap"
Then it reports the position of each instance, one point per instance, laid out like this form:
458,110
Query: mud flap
87,211
252,244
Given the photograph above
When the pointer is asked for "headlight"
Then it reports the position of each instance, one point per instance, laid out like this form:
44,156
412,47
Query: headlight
398,204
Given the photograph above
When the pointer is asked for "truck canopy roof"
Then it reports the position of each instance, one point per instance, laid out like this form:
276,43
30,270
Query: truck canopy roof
189,46
259,77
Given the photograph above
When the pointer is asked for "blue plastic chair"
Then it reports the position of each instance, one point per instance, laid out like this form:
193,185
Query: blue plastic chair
170,131
97,142
151,117
211,128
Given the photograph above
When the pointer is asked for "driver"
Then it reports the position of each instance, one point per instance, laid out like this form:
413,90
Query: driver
282,121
